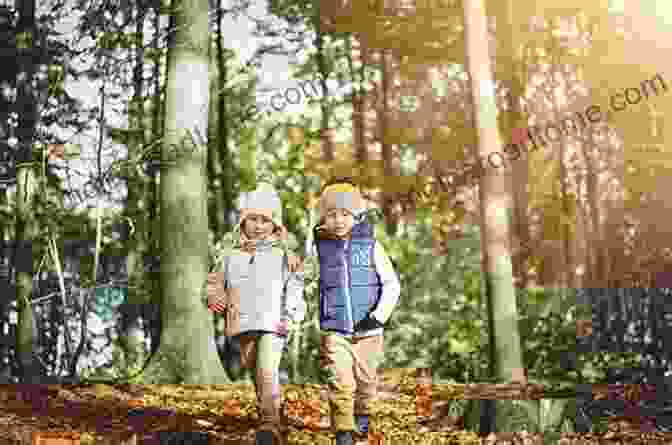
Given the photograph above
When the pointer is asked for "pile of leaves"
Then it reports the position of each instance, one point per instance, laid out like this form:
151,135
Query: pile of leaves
104,414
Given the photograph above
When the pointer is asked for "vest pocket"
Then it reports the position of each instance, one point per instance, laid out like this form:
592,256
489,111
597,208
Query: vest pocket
361,310
334,304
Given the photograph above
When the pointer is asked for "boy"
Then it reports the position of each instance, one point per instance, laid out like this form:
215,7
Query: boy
359,289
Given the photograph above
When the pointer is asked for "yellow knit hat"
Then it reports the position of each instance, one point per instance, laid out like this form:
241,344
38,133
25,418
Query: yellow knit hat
341,196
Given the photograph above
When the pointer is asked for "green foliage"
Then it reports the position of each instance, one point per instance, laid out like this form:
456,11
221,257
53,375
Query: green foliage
219,250
547,416
446,285
285,171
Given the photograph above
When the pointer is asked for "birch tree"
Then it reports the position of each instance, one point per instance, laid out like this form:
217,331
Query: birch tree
506,358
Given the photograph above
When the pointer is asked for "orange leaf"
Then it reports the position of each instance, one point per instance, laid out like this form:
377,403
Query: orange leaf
232,408
375,438
56,438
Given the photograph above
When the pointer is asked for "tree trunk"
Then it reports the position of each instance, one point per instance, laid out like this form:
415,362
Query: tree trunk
519,168
358,101
494,198
222,166
136,210
388,204
193,358
27,183
567,274
328,153
214,162
152,258
8,47
596,275
568,266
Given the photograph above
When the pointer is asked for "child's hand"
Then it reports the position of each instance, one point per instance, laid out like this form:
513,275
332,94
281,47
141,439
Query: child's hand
216,291
282,328
294,263
368,323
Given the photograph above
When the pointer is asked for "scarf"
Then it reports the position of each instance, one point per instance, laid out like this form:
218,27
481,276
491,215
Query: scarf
276,239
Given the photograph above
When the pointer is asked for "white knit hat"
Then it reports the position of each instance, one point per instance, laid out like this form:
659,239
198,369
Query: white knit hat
264,200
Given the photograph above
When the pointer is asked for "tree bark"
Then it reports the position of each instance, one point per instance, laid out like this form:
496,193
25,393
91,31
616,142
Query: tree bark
328,152
222,159
136,211
519,168
494,198
567,274
155,130
388,204
596,275
26,186
192,358
358,102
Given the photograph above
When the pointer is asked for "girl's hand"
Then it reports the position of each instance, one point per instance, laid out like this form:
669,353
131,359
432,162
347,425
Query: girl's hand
216,291
294,263
282,328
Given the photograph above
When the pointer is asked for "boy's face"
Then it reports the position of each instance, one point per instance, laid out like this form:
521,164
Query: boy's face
339,222
258,227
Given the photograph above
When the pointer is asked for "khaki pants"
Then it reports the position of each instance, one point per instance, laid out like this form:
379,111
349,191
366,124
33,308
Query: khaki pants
261,352
350,369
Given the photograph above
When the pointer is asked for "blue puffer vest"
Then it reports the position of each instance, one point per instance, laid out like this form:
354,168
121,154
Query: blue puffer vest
350,288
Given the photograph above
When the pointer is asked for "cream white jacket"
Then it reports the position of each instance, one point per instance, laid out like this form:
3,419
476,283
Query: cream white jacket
269,293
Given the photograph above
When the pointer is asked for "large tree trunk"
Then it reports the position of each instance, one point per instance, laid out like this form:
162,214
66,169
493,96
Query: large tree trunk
27,183
191,358
494,199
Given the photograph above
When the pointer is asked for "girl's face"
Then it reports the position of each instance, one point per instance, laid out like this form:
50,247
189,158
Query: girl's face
339,222
257,227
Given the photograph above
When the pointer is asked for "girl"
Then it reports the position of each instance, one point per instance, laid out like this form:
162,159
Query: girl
261,289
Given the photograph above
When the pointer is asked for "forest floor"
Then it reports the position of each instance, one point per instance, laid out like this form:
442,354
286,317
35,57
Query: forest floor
134,415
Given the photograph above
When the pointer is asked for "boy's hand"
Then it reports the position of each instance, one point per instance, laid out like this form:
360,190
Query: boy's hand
216,291
368,324
294,263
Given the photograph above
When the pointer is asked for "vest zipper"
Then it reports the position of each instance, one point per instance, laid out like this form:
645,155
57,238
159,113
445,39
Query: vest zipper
348,279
